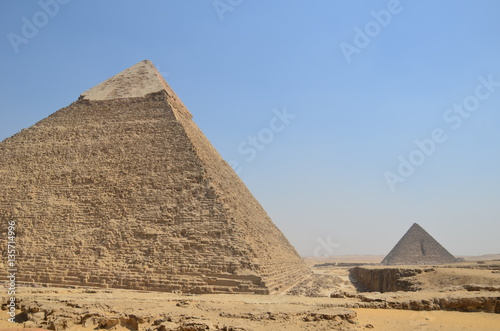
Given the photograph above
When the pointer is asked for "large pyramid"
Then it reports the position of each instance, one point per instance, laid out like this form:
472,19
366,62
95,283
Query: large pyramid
121,189
418,247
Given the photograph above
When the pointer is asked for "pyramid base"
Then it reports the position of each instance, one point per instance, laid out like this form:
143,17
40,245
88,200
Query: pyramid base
184,283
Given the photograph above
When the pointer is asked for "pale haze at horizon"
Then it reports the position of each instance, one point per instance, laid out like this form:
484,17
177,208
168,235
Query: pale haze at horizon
314,103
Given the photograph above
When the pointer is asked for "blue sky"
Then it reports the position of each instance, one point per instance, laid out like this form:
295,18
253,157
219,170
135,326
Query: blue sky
344,168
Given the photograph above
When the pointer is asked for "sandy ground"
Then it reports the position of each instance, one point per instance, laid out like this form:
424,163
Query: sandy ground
249,312
310,308
381,319
398,320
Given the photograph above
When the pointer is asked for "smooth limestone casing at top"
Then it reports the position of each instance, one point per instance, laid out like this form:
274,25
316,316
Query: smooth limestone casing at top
121,189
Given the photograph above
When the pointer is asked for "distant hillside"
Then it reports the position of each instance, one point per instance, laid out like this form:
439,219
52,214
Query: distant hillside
486,257
310,261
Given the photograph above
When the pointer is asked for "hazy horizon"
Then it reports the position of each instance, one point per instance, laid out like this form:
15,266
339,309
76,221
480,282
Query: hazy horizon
348,121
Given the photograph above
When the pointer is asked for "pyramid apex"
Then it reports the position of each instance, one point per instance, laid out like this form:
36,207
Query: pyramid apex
416,226
137,81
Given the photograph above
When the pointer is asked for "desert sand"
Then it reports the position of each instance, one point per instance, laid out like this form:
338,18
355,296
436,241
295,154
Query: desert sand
327,301
380,319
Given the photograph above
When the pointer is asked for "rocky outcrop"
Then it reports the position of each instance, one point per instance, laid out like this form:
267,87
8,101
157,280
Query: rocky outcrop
464,304
62,309
385,279
316,286
475,287
380,281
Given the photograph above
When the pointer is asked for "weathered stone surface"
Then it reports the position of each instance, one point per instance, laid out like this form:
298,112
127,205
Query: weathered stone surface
121,189
155,311
463,304
385,279
475,287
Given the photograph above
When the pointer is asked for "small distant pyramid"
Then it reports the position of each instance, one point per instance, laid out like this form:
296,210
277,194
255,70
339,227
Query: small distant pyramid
418,247
121,189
